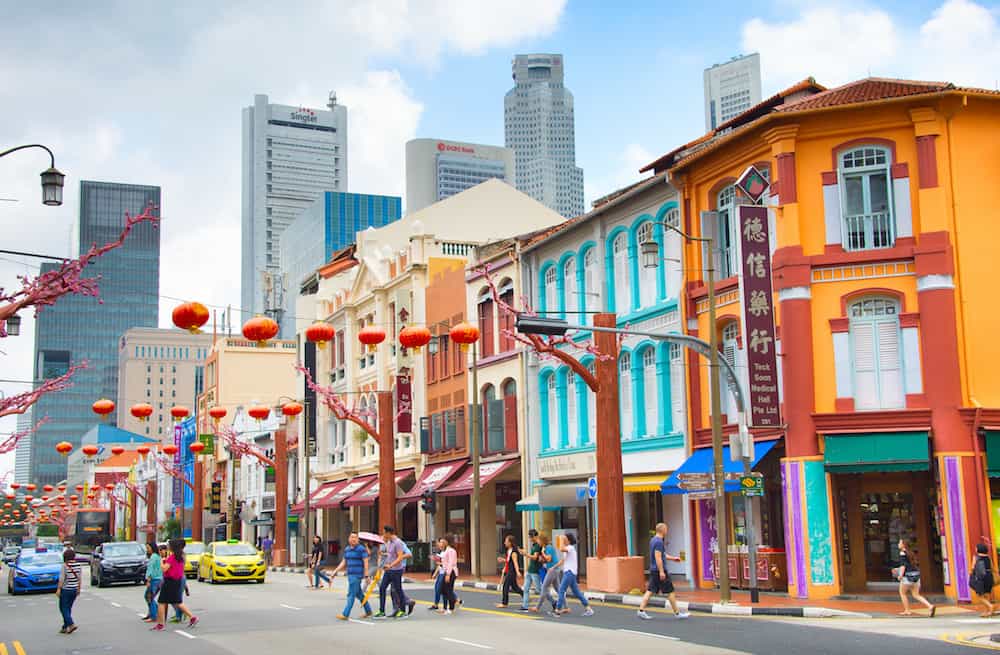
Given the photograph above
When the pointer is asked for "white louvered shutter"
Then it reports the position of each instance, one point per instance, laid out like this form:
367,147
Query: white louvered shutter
571,411
866,394
651,396
677,388
710,228
890,369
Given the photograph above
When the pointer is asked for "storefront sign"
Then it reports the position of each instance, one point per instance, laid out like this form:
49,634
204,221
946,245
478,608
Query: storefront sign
404,402
758,316
209,441
215,501
751,485
577,465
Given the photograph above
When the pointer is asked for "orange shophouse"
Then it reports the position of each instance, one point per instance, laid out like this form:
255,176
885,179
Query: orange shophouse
883,237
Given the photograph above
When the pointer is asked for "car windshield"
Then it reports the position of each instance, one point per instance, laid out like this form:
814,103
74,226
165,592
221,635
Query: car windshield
230,550
10,551
194,549
123,550
41,559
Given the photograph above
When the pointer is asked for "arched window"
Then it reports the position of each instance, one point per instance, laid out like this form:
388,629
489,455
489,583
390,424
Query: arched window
552,413
493,420
676,388
591,292
875,345
509,390
572,401
730,347
866,192
591,408
672,249
572,298
726,234
647,275
551,292
625,395
623,294
650,395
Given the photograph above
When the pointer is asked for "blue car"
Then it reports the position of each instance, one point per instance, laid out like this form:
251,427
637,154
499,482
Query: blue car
34,570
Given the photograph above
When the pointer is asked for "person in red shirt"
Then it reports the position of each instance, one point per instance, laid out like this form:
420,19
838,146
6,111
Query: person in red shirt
173,586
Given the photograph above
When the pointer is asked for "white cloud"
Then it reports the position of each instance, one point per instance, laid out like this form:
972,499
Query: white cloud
959,42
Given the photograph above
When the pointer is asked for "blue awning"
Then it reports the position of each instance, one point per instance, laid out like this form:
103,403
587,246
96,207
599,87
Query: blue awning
701,461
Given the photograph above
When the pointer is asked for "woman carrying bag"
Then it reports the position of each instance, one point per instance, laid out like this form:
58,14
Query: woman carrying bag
909,580
981,579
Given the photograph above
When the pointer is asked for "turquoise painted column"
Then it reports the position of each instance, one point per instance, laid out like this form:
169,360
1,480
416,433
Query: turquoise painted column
581,391
560,291
541,290
661,267
664,412
563,410
544,409
609,280
633,265
638,396
581,290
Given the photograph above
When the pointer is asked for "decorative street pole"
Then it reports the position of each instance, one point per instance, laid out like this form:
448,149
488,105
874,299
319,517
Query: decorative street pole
386,461
611,540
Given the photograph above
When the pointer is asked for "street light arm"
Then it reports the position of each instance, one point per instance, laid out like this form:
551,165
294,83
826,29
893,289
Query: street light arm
52,157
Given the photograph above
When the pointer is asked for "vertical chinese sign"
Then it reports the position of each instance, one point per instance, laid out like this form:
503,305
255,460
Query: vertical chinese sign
404,402
758,309
178,443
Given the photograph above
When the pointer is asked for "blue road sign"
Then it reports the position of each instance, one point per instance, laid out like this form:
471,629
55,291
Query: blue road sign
592,488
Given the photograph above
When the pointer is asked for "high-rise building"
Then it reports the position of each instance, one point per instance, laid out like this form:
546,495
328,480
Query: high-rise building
731,88
436,169
290,156
327,225
163,368
79,328
22,454
538,127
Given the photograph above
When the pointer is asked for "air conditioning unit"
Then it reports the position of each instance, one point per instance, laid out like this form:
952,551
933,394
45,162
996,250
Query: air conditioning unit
267,503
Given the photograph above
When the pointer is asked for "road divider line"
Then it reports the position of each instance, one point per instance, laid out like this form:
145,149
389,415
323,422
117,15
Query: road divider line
184,634
361,622
467,643
648,634
141,615
114,604
18,648
291,607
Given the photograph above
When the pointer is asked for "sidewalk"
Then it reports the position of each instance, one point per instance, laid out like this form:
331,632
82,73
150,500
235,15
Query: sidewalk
771,603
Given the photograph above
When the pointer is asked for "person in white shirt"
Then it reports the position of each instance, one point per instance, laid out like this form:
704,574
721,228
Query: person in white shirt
570,567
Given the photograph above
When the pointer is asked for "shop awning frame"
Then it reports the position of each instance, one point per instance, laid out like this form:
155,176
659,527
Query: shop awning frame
642,483
321,493
432,478
487,472
702,461
993,453
369,494
877,452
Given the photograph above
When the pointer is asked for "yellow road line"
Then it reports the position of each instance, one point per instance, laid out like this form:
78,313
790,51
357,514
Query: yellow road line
478,611
963,640
3,649
597,603
17,647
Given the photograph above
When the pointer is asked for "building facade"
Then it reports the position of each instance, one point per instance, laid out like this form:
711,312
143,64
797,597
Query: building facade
326,226
539,127
163,368
731,88
888,402
82,328
437,169
22,454
291,155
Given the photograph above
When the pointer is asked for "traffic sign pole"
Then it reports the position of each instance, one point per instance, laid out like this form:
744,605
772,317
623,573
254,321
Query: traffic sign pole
749,506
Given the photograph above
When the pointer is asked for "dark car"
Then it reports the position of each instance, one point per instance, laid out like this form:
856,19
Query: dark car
10,554
118,561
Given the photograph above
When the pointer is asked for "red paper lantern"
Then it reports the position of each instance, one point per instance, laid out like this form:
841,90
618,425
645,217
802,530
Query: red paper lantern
217,413
45,499
142,450
64,448
320,333
371,336
464,334
109,486
62,488
29,498
260,329
190,316
142,411
291,409
259,412
78,487
90,450
196,447
415,337
48,488
30,486
170,449
15,485
74,497
103,407
7,505
179,412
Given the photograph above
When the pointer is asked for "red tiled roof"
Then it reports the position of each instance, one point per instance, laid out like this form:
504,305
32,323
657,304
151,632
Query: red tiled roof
869,89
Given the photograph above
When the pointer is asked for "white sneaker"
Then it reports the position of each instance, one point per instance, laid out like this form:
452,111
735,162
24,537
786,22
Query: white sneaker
447,612
683,615
588,612
642,615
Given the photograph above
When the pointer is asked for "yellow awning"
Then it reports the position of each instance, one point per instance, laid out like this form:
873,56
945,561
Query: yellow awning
649,482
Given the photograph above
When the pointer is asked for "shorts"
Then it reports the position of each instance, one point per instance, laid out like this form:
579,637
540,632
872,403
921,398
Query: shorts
658,586
172,591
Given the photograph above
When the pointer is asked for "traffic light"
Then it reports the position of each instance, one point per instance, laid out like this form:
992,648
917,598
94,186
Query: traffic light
429,501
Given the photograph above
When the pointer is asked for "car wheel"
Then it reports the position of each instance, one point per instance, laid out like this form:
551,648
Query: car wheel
211,576
93,580
198,576
10,585
100,581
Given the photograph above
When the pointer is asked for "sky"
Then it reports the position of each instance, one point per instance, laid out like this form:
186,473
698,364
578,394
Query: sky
151,93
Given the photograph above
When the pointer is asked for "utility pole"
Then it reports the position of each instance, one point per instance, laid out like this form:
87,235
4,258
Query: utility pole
474,448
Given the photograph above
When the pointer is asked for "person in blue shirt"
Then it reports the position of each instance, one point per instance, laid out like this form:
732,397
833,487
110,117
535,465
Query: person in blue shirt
355,562
659,578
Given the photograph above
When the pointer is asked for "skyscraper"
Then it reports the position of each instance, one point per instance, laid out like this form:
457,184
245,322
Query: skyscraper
731,88
79,328
22,455
290,156
437,169
538,126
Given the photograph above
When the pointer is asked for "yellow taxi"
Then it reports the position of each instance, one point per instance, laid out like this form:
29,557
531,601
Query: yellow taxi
193,550
227,561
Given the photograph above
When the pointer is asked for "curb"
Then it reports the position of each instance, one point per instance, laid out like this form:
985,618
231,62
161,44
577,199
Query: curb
702,608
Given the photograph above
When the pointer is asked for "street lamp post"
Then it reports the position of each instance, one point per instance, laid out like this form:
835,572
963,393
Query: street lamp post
52,178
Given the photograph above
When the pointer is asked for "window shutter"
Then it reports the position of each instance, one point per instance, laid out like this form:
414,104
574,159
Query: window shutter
510,423
677,388
651,400
710,229
889,364
462,427
865,373
495,435
572,429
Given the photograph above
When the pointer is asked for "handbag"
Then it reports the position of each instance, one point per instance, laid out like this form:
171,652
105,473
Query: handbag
912,577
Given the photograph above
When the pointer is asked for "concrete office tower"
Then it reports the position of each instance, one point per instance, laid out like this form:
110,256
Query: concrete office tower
22,454
538,127
78,328
163,368
290,156
437,169
326,226
731,88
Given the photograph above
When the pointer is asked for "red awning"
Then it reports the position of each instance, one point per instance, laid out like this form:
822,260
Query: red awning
352,487
487,471
369,494
321,494
432,478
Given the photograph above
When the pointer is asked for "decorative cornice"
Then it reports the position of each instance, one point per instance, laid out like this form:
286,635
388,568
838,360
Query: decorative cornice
935,282
900,420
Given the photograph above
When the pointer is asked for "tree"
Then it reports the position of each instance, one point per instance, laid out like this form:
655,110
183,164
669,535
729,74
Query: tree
240,449
46,288
22,402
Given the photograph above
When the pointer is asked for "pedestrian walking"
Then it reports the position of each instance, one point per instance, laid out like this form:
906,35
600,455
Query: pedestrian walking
511,571
981,579
268,545
570,566
173,586
355,563
316,563
908,574
533,566
449,566
396,554
179,615
659,578
154,580
67,589
553,574
438,579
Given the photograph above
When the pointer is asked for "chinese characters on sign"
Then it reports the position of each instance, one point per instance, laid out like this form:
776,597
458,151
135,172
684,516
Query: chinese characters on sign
758,316
404,403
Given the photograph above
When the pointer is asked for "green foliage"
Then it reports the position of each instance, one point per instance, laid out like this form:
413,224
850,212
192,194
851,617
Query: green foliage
170,529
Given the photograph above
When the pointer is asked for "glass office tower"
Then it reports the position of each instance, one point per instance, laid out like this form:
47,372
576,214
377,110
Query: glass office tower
79,328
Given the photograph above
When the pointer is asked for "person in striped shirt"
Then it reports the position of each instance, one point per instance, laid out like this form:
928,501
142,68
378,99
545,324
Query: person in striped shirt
68,589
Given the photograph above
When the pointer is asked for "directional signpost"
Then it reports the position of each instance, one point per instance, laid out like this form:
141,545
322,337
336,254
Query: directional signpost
592,488
752,485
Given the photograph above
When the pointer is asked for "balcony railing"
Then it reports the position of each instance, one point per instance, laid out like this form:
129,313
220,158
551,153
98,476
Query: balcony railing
869,231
